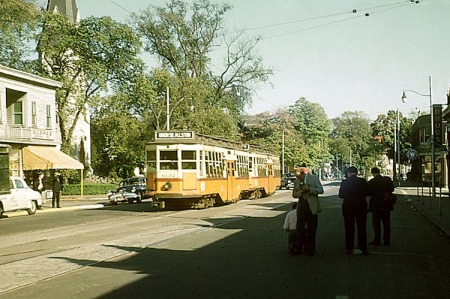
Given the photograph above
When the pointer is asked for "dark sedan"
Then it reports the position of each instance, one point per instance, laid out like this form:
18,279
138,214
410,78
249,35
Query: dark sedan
287,180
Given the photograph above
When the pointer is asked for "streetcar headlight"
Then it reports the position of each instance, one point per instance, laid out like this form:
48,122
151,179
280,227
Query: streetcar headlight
167,186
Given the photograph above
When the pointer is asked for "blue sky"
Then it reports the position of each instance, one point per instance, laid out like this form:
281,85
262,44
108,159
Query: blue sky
324,52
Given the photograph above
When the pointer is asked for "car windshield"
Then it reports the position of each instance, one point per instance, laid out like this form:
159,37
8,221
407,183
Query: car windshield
289,175
133,181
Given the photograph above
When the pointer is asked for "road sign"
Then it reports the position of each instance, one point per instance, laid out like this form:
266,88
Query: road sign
412,154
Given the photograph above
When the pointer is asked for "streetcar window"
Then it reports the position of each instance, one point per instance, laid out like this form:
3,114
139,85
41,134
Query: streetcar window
242,166
168,166
188,155
168,155
168,160
189,160
151,166
270,169
151,161
202,160
210,170
214,164
188,165
151,156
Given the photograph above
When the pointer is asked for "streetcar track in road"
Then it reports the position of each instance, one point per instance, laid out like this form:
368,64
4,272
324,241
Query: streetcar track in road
178,231
15,253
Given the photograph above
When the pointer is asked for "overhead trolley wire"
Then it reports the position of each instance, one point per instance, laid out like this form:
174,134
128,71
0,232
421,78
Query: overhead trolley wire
369,11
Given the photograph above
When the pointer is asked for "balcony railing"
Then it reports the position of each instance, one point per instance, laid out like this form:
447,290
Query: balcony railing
10,133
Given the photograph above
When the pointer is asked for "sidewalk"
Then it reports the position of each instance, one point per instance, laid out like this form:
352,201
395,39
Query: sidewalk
79,202
436,210
68,202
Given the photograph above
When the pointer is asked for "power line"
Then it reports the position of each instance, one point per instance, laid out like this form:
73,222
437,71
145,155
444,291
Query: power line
121,7
326,16
390,7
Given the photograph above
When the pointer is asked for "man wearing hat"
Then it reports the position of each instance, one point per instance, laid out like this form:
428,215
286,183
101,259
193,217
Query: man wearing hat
56,188
307,188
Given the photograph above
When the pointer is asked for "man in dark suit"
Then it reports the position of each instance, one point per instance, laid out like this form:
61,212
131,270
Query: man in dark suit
354,209
56,188
380,187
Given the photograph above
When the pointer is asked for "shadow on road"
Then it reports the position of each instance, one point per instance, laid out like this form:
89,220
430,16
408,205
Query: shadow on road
247,258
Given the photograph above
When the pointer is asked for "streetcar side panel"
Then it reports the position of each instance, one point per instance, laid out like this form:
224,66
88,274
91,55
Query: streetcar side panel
190,171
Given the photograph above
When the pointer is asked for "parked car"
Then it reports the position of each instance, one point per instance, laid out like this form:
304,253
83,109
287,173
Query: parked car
287,180
121,195
130,190
20,197
136,185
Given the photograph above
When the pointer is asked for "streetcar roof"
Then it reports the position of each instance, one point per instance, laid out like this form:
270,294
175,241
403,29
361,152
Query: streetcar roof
190,137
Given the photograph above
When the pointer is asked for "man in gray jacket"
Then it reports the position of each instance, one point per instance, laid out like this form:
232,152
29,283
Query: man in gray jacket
307,188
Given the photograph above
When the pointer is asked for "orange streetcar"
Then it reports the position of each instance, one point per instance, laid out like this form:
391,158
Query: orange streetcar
190,170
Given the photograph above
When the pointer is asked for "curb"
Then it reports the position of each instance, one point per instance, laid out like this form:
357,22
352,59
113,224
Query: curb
443,230
53,210
71,208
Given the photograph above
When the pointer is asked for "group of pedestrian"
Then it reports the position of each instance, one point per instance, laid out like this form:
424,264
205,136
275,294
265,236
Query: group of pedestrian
56,184
302,221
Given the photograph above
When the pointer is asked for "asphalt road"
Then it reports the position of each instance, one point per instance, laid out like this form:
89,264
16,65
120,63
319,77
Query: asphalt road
234,251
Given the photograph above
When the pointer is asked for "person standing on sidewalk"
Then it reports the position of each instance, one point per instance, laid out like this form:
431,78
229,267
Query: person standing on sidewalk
380,187
354,209
307,188
56,188
38,184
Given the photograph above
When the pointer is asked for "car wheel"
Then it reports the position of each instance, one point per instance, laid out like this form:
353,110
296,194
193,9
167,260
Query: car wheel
130,201
32,210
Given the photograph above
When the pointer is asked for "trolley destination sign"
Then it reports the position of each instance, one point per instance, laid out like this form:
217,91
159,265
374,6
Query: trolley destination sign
175,135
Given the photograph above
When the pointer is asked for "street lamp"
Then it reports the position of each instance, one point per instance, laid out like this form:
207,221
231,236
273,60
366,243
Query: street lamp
397,149
404,99
282,151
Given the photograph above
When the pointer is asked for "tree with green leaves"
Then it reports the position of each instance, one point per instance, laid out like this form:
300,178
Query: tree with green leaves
88,58
19,21
384,129
311,121
119,136
268,134
181,36
353,140
306,128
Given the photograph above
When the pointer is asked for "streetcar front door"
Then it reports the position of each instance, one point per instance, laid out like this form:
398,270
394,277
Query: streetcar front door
231,176
271,183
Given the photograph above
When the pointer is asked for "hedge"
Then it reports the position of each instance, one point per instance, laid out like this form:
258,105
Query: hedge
88,189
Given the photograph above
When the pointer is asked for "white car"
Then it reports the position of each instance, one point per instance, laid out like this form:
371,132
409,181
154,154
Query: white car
21,197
